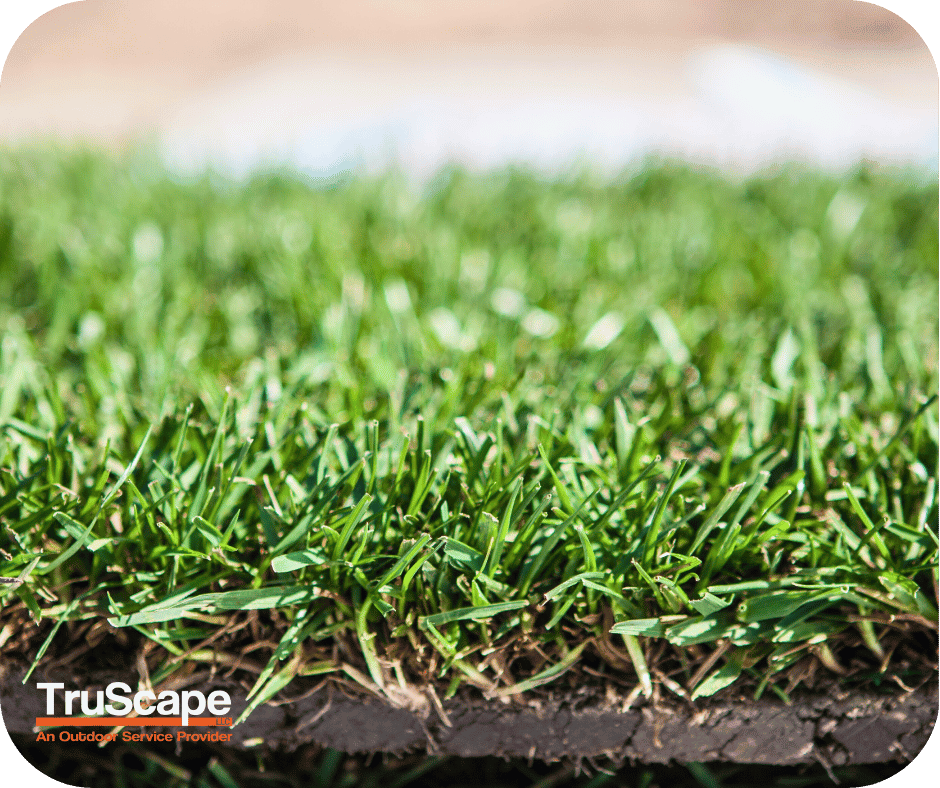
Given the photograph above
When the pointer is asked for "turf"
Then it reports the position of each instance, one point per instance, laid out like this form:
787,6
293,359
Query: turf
673,428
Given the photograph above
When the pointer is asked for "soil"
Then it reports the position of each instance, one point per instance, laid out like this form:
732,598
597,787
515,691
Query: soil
835,728
90,765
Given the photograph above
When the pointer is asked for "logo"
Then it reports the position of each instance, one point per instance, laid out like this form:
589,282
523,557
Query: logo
144,708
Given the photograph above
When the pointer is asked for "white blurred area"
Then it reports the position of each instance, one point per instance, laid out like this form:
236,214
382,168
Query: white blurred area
416,84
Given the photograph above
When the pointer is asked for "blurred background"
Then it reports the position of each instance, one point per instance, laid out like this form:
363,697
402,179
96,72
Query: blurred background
416,83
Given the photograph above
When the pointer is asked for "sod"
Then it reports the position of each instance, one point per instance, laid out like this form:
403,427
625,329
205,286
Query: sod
659,442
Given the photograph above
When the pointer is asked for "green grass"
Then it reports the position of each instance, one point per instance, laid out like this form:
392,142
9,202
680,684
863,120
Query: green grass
673,429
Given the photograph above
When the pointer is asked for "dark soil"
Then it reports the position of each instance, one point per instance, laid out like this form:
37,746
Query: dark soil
832,728
310,765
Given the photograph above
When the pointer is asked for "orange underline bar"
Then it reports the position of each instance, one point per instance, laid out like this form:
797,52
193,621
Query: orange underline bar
124,722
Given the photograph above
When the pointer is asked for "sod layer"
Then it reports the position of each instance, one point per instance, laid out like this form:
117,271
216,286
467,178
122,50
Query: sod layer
671,435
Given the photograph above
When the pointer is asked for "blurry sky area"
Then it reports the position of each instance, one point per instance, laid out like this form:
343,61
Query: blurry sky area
333,86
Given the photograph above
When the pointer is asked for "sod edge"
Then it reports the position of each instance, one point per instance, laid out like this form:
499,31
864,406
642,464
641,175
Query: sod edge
584,713
312,630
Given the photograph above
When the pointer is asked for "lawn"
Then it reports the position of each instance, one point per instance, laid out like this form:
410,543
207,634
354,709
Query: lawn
674,430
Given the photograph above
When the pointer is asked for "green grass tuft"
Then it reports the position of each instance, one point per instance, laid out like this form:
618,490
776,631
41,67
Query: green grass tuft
481,433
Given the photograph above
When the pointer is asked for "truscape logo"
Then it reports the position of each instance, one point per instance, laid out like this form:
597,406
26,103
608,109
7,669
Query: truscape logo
116,706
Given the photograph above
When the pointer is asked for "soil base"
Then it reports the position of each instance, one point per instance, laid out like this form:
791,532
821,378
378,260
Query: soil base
835,728
90,765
